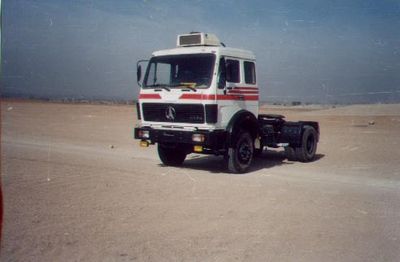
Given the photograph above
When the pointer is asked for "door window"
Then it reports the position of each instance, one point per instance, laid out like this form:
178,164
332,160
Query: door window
249,73
232,71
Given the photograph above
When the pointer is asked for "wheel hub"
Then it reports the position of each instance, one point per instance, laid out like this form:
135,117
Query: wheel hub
244,152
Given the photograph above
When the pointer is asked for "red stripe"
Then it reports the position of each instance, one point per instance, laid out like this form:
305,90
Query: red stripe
149,96
197,96
233,97
218,97
246,88
242,92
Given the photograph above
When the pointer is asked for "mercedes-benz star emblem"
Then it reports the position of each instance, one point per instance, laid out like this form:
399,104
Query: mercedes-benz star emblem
170,113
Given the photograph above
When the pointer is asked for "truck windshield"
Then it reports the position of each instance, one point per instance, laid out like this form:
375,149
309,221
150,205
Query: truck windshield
180,71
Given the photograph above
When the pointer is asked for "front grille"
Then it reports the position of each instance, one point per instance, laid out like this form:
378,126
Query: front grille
179,113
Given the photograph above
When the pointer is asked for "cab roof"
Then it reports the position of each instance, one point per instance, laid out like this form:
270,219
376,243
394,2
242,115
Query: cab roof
218,50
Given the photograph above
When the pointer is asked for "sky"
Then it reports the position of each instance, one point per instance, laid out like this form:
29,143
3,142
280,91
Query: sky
324,51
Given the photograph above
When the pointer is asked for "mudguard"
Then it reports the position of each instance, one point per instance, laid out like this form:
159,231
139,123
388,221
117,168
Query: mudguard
242,120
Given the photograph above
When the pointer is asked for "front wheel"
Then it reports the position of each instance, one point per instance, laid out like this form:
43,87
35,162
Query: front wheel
241,154
171,155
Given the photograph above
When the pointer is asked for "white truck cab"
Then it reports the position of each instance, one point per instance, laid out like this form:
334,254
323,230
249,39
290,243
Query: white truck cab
203,97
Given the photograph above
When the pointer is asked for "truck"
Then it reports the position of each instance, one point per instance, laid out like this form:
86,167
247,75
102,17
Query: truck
202,97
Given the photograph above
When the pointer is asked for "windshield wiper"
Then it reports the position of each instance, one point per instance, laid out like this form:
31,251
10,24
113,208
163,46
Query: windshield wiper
160,86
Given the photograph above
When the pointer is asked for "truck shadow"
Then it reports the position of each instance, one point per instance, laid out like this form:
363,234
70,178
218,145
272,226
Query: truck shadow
213,164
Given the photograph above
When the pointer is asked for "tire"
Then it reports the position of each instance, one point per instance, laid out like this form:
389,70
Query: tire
241,154
170,155
306,152
290,153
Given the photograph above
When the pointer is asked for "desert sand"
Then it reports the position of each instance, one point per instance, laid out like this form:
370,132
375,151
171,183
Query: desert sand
77,187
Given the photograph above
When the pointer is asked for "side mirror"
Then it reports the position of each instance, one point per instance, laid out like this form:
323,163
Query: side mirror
139,73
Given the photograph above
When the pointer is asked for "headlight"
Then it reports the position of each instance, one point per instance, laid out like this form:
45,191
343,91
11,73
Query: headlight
198,138
144,134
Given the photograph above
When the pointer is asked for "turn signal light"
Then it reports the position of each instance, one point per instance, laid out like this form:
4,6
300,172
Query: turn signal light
144,143
198,149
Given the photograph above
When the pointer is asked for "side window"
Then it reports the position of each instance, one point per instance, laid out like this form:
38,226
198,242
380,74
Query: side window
249,73
232,71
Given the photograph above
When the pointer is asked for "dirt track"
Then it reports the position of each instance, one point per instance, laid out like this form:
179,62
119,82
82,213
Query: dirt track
77,187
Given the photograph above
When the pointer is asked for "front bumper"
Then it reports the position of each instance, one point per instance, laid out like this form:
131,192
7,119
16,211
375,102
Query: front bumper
213,139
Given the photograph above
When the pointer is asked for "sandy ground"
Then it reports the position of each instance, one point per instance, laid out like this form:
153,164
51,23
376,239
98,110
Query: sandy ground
77,187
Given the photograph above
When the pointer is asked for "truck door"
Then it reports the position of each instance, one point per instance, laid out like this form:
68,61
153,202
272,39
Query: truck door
230,96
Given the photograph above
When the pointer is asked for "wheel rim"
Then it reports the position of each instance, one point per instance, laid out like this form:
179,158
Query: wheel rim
244,152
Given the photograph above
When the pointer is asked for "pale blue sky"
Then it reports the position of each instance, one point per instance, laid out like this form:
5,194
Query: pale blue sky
313,50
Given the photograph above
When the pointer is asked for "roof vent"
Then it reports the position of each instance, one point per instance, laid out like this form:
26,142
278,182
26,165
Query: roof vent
198,39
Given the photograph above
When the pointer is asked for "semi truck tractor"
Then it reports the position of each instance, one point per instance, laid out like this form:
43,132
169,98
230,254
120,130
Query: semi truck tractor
203,97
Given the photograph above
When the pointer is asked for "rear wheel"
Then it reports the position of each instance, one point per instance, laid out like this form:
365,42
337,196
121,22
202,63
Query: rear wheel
306,152
290,153
171,155
241,154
